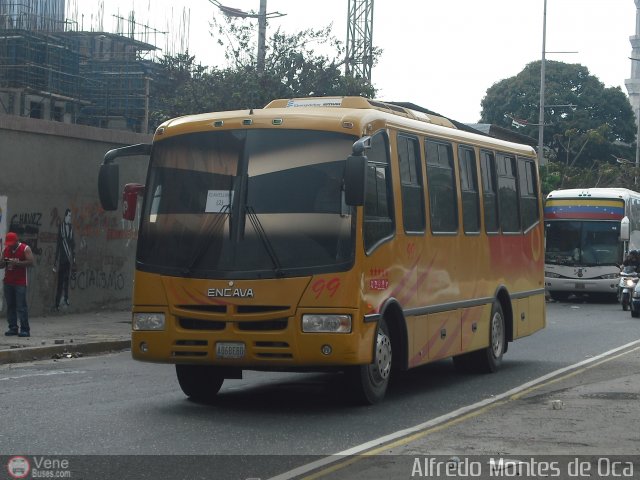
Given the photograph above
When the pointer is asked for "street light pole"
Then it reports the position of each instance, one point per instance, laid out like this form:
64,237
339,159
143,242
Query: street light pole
542,84
262,34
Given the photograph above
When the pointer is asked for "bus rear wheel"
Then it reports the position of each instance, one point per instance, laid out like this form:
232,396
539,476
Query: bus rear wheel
370,382
489,359
201,383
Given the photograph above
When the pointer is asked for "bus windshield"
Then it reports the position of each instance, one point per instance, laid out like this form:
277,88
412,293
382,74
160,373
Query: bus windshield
583,243
247,204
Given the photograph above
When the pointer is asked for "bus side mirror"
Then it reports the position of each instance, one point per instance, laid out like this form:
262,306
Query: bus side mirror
625,233
354,180
130,200
108,183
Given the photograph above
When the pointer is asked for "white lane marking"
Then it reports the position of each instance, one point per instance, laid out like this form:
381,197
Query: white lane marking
336,457
47,374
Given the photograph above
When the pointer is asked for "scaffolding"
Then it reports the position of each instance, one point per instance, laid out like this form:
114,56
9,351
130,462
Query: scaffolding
39,75
50,69
116,79
32,15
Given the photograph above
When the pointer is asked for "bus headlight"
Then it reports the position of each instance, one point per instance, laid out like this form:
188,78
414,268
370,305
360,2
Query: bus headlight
315,323
148,321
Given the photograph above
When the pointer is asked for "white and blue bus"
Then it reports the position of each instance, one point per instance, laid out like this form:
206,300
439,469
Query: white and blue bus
588,232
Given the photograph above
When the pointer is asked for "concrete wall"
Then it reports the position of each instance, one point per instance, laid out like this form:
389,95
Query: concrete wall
47,168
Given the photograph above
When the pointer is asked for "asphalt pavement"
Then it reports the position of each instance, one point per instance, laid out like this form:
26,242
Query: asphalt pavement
591,409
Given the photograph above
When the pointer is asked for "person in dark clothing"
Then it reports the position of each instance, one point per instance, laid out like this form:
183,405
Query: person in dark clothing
632,260
65,259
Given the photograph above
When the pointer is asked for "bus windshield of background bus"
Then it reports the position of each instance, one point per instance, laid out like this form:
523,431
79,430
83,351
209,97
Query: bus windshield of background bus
247,204
583,243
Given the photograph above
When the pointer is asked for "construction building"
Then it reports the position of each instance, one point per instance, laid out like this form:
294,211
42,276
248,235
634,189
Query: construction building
51,70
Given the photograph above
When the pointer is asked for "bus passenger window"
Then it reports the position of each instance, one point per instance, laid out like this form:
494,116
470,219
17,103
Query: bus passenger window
528,192
411,180
469,187
489,191
378,205
443,205
508,194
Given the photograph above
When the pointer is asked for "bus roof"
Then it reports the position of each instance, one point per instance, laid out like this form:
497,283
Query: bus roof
348,114
622,193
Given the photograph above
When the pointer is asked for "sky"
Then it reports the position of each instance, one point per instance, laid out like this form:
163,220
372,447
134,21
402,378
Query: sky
440,54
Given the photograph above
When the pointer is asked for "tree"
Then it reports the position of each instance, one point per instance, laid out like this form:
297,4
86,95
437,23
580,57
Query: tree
585,121
182,86
293,68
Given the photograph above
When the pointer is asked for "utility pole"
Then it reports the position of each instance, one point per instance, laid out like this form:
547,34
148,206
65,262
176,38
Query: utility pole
542,85
262,17
262,35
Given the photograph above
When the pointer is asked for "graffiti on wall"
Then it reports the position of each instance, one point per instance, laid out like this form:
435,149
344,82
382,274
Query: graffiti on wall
27,226
83,255
64,260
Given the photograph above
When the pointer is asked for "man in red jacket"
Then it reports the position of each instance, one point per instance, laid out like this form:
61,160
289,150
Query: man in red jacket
16,257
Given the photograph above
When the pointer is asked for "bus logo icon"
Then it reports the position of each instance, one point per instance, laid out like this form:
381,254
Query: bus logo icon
18,467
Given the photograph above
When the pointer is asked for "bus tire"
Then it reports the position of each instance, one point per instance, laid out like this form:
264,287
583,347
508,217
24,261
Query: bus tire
201,383
370,382
488,359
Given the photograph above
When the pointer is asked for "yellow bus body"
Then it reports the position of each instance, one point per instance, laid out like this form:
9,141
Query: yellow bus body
438,290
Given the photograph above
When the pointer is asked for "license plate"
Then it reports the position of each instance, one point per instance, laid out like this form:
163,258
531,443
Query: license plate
580,286
229,350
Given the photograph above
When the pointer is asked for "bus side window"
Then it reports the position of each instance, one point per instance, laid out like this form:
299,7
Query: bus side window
443,204
411,180
508,194
378,204
528,193
489,191
469,188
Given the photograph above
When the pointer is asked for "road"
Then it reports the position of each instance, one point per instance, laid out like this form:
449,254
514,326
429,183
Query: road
111,405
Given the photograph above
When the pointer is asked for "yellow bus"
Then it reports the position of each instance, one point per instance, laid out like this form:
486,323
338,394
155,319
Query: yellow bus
330,234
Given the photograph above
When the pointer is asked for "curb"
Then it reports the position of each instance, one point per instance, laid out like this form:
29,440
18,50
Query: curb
29,354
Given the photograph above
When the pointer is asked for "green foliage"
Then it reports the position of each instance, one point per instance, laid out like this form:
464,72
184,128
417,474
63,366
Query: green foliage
585,122
307,63
557,175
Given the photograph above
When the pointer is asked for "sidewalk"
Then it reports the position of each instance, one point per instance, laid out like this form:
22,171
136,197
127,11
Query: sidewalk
588,415
68,334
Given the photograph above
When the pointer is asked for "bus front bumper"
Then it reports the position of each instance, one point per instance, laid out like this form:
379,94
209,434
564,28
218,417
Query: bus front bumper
288,348
580,285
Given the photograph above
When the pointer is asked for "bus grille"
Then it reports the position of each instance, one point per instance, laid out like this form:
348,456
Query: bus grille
262,326
197,324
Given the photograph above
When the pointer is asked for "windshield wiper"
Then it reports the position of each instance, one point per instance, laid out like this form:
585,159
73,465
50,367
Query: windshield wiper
255,222
206,243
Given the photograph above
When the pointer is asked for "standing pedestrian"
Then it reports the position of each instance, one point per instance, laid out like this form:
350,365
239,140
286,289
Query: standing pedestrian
16,257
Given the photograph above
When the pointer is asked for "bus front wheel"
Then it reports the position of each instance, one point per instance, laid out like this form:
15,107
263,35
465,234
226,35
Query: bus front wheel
201,383
370,382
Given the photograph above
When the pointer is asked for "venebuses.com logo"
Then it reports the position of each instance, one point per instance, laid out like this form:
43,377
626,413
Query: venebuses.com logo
38,467
18,467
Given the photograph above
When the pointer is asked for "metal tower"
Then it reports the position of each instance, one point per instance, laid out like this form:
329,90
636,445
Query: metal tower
633,83
359,59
